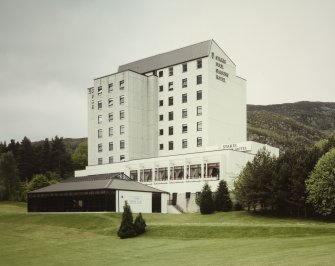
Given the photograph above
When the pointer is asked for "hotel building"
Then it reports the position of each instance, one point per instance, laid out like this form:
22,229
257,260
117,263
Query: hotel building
172,121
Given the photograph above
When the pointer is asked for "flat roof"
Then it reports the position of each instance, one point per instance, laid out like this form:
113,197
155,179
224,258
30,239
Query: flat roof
114,181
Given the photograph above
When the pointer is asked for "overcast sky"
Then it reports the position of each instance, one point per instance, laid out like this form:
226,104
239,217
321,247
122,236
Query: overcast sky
50,52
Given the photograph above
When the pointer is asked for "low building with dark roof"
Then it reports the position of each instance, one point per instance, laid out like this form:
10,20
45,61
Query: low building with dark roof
97,193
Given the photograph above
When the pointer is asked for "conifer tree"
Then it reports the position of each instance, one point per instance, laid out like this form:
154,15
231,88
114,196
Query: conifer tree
206,200
222,199
127,228
139,224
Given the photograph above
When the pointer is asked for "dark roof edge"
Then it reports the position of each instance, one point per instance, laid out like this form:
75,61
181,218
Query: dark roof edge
118,73
224,52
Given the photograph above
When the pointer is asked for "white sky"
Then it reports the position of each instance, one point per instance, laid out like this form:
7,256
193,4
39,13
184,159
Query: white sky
50,52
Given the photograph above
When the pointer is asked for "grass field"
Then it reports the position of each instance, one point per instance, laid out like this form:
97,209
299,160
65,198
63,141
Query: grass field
235,238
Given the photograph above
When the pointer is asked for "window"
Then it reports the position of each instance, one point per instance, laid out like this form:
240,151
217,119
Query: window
170,145
110,117
170,130
122,99
122,144
121,84
99,133
161,88
99,119
199,95
185,67
111,160
121,130
99,104
160,102
199,79
110,87
171,86
170,71
100,147
199,110
121,115
110,102
188,195
110,130
122,158
161,146
111,146
99,160
184,83
184,128
184,113
161,132
199,141
199,63
184,143
184,98
170,101
199,126
161,117
99,90
160,74
170,116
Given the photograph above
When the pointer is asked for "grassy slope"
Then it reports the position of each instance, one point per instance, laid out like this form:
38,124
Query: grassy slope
235,238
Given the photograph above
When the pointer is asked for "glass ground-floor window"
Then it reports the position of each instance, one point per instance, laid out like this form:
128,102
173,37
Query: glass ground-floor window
146,175
195,171
213,170
133,175
161,174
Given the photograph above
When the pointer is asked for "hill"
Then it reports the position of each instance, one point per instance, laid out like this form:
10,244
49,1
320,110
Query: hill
284,125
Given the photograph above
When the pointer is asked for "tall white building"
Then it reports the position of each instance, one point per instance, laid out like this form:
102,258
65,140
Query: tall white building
173,121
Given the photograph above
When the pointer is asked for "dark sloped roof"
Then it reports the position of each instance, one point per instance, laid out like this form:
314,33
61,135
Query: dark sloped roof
115,181
174,57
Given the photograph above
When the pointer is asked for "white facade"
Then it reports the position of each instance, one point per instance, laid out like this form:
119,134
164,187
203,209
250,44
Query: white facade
164,121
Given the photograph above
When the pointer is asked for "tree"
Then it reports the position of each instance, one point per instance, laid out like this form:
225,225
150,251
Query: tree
321,185
206,200
43,180
26,160
60,159
79,157
9,176
139,224
222,198
127,228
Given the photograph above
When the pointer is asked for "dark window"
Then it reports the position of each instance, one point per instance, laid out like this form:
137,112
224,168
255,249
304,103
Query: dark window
110,102
110,117
121,84
184,98
199,110
121,130
99,90
170,116
170,145
161,132
111,147
122,157
99,104
161,88
122,144
111,131
184,128
161,117
199,79
121,115
199,63
122,99
110,87
184,113
160,102
111,160
100,147
185,67
184,143
170,71
188,195
199,142
170,130
99,133
184,83
199,95
171,86
199,126
99,160
99,119
161,146
160,74
170,101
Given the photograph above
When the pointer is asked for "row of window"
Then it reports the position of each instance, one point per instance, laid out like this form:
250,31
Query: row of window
184,129
183,99
184,144
110,87
111,131
183,114
111,146
184,68
110,102
111,116
111,159
183,84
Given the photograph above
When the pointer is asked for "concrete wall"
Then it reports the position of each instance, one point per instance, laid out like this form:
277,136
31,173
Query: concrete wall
138,201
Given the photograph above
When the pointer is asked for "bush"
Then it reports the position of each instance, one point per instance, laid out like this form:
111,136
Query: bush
127,228
206,200
139,224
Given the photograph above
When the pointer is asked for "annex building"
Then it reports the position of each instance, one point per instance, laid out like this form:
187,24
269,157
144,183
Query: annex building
172,121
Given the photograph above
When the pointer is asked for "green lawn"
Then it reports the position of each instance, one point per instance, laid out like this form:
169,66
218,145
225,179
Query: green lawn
235,238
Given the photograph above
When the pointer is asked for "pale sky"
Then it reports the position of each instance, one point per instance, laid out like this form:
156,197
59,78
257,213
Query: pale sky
50,52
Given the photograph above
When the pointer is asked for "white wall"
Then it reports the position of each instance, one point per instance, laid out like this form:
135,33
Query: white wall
138,201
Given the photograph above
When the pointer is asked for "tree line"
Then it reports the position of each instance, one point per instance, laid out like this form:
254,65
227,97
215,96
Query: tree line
25,166
300,182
